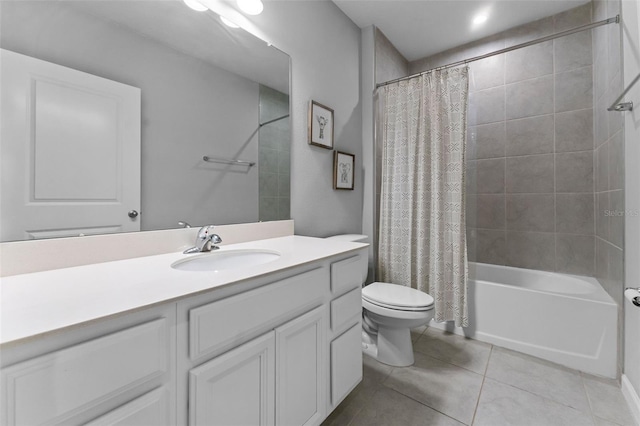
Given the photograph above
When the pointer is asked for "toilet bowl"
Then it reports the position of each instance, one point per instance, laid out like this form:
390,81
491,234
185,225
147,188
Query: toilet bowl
393,310
389,313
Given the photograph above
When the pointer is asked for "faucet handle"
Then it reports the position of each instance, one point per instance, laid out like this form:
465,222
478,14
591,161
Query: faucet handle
207,240
205,231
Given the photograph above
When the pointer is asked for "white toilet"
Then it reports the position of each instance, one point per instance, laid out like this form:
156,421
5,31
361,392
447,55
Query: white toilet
390,312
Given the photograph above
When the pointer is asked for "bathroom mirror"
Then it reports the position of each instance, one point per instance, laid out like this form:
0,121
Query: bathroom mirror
98,87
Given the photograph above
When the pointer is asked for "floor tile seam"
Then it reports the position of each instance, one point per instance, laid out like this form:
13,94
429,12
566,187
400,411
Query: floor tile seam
544,397
586,392
484,378
593,415
357,413
486,367
450,363
475,410
359,410
607,420
425,405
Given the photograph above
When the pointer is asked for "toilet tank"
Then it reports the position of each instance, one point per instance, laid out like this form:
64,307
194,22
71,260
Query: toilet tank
356,238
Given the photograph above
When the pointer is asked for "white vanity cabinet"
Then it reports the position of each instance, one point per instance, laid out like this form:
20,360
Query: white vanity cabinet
346,328
279,377
284,353
280,348
268,363
118,371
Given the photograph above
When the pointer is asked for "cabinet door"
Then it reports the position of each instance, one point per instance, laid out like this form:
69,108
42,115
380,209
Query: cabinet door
301,370
346,363
236,388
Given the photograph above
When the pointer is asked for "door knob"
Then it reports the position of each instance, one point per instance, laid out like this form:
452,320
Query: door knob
133,214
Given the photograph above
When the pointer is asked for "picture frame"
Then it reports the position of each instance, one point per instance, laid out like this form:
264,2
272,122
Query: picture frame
343,170
320,125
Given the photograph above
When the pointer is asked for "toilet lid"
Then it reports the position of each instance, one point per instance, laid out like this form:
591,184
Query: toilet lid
396,296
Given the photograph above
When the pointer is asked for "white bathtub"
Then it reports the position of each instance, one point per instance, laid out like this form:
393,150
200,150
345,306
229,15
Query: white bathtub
566,319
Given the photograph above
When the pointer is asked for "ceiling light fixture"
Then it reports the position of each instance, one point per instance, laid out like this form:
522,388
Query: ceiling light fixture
251,7
479,19
228,23
196,5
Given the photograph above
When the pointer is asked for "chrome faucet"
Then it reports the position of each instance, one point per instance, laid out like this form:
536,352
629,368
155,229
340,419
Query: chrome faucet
205,241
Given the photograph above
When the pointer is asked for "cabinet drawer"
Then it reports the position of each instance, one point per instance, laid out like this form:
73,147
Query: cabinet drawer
346,363
346,274
229,322
150,409
61,385
345,309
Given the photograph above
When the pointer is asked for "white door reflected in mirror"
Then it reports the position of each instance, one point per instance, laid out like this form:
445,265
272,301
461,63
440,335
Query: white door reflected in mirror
70,151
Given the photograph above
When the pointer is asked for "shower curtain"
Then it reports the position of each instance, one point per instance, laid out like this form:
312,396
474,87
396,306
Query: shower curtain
422,239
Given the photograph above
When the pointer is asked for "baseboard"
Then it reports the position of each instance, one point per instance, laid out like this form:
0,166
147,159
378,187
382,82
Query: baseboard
633,400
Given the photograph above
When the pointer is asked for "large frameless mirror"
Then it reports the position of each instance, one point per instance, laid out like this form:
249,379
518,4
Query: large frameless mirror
135,115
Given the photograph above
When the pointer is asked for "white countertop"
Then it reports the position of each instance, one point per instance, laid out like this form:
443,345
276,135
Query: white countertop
41,302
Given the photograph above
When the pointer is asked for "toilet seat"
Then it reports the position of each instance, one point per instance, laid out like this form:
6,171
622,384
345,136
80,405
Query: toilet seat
397,297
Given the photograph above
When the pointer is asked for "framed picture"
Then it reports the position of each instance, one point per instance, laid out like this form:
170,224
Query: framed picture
320,125
343,166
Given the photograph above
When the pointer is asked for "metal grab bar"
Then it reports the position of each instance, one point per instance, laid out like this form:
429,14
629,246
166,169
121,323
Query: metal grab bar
209,159
273,121
624,106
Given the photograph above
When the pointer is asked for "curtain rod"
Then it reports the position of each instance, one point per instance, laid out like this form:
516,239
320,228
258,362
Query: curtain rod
615,19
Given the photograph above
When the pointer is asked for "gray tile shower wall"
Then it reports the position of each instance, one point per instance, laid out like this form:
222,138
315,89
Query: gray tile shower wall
608,146
530,183
274,154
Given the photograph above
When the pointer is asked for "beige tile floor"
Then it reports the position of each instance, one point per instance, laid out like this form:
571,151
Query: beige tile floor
458,381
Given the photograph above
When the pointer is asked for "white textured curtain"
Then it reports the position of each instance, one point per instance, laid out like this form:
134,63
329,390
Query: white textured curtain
422,239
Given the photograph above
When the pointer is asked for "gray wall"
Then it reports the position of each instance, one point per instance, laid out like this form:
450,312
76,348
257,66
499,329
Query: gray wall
609,151
189,109
390,64
324,46
530,178
367,87
631,54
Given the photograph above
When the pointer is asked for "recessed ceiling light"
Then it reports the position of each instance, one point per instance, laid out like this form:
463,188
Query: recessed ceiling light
251,7
228,23
480,19
196,5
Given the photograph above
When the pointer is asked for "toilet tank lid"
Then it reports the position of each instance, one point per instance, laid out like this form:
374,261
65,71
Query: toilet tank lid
356,238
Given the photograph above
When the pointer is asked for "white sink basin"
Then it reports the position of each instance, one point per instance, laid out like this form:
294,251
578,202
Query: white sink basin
221,260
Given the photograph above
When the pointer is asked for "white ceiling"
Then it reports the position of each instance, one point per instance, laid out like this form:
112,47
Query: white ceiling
198,34
420,28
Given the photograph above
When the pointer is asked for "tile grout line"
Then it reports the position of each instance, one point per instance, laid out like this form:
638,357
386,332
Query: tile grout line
584,387
504,177
484,377
425,405
456,365
555,157
546,398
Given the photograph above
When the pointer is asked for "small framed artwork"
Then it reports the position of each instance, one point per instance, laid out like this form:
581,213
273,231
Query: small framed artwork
320,125
343,166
